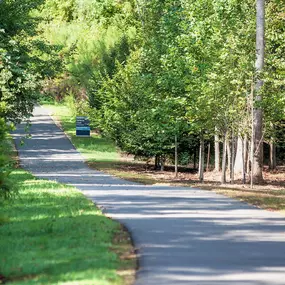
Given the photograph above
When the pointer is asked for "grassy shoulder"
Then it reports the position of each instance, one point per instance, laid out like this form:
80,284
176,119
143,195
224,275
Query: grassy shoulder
101,154
51,234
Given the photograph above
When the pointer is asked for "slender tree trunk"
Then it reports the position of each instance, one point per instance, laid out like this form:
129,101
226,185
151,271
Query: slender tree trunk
232,159
243,162
251,162
162,162
272,159
224,160
257,110
156,162
208,157
239,159
248,162
176,157
201,158
229,155
217,153
245,154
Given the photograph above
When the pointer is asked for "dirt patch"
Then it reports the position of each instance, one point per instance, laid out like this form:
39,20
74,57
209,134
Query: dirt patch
123,246
3,279
273,180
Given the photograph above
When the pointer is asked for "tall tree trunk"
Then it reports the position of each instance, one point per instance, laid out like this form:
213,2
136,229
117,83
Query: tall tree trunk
272,159
257,111
248,163
251,161
229,155
156,162
239,159
195,158
176,157
162,162
232,159
208,157
217,153
245,153
243,162
201,158
224,160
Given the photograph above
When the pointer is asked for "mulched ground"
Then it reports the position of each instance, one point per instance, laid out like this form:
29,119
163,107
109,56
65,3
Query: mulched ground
272,179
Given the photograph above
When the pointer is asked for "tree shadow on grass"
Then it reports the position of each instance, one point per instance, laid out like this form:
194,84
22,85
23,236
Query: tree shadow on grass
54,236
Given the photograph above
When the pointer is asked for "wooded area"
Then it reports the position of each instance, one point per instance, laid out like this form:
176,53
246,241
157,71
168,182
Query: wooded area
163,79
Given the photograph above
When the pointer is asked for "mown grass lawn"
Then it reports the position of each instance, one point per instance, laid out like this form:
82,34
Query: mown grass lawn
51,234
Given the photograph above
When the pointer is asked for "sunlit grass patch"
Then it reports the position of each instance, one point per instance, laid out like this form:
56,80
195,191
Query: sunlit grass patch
51,234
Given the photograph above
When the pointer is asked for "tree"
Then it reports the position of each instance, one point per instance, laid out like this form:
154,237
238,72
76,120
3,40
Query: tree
273,92
18,84
257,136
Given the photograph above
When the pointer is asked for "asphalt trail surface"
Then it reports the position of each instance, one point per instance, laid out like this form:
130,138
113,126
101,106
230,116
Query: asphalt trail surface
183,235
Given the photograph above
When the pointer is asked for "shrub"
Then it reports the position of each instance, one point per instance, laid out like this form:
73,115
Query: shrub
7,188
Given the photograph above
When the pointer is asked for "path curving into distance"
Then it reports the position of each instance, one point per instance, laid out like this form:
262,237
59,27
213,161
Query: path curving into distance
184,235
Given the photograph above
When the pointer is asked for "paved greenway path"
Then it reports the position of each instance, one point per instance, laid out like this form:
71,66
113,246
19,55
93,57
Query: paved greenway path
184,235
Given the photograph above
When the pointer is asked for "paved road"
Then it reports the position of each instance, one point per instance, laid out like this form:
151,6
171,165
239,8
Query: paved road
184,235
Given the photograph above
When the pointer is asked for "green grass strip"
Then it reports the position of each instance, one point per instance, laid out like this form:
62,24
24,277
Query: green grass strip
51,234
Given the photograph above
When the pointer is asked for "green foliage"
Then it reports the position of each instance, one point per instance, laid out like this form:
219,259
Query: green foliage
155,69
274,88
186,77
6,186
18,73
15,16
8,189
17,94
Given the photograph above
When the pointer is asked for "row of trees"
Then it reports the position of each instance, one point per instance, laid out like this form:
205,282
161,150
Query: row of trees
156,72
158,76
